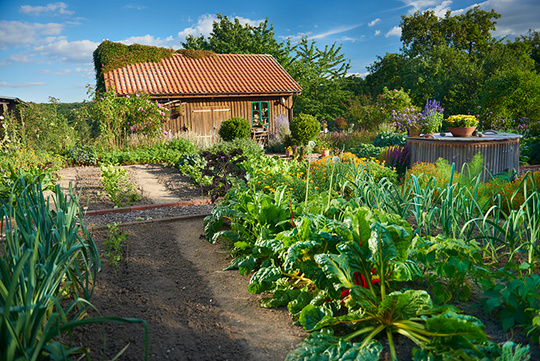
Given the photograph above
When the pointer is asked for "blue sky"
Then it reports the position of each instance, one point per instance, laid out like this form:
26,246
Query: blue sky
46,47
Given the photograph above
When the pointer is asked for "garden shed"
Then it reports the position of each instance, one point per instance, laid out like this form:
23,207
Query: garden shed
203,91
8,105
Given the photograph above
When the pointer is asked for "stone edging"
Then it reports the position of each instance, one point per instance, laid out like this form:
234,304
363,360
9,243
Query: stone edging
143,207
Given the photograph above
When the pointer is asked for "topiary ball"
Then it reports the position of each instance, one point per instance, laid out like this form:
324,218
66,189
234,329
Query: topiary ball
234,128
304,127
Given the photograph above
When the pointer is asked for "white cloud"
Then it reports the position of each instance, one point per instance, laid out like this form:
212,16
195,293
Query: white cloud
395,31
205,24
21,85
334,31
80,71
169,42
21,33
377,32
19,58
59,8
135,6
437,6
517,17
351,39
338,30
79,51
373,22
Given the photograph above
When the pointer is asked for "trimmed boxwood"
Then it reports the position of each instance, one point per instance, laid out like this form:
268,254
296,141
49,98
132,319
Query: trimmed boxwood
234,128
304,127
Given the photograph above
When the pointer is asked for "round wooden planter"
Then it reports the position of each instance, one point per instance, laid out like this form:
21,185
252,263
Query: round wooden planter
463,132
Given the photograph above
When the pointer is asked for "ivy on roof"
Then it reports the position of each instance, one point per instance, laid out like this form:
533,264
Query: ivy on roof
110,55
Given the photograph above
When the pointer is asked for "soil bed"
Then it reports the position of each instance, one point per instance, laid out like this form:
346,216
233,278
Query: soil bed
173,279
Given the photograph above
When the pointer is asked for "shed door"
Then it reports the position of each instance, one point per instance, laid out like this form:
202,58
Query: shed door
202,121
220,114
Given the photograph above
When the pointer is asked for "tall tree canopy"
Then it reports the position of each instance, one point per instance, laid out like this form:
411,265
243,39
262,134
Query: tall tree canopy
470,32
231,37
455,60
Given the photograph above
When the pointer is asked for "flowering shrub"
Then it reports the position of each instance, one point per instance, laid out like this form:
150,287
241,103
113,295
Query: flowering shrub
462,120
429,120
281,125
340,123
119,117
407,118
348,141
512,193
394,100
398,158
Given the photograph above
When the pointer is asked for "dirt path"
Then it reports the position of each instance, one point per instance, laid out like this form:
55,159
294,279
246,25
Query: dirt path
196,311
174,279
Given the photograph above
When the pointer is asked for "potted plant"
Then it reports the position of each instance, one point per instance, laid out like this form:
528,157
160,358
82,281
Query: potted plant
324,147
433,115
288,151
409,119
462,125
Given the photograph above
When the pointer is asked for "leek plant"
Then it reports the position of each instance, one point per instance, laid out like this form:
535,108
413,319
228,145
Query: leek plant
48,266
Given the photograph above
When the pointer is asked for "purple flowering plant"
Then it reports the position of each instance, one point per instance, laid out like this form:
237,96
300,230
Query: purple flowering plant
429,120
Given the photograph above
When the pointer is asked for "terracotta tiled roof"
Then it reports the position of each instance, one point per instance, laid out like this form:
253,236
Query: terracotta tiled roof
221,74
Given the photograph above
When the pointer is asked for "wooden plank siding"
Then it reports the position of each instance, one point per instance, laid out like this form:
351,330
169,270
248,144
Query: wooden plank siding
205,115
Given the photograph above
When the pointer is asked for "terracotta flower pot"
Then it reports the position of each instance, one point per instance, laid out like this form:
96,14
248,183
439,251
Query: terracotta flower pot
415,131
325,152
462,131
288,152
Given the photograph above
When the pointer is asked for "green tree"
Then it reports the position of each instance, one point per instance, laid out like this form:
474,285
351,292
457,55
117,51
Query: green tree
470,32
532,38
513,93
322,76
231,37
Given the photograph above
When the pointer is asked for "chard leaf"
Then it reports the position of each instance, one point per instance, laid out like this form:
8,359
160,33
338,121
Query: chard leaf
337,269
363,298
280,298
329,320
310,316
465,327
406,304
300,301
323,346
302,251
264,279
360,222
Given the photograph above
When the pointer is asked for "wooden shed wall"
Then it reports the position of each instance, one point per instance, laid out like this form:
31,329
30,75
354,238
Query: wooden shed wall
204,115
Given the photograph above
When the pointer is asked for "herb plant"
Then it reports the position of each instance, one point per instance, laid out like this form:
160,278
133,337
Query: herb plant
116,183
114,246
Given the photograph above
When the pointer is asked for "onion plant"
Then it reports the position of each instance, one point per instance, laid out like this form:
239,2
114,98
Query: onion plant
48,267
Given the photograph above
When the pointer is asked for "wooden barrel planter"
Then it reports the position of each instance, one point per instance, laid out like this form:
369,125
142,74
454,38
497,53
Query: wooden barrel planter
499,150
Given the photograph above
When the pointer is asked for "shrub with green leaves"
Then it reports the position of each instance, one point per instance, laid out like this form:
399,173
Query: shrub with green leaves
114,246
234,128
164,152
367,150
250,148
82,154
304,127
388,138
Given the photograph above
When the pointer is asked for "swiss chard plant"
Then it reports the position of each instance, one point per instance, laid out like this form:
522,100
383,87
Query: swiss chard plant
364,271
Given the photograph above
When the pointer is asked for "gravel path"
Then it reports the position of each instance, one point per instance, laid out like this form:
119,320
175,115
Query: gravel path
157,185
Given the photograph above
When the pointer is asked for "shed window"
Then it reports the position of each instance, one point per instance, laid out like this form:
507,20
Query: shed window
260,114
